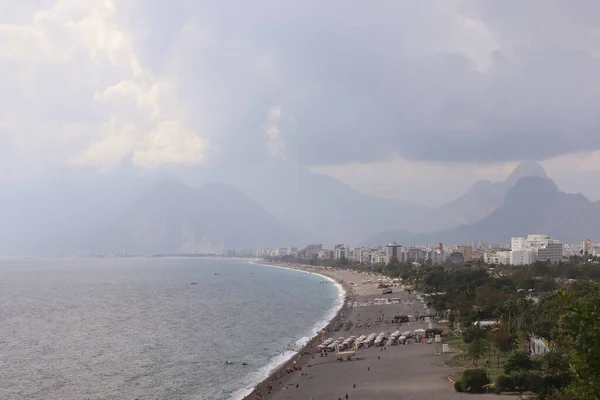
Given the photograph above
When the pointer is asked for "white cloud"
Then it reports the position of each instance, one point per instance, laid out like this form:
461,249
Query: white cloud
104,83
275,142
169,143
76,82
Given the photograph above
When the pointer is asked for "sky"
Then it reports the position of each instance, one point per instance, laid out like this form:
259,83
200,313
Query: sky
406,99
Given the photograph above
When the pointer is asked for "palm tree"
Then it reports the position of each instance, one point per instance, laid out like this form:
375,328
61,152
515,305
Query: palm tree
509,304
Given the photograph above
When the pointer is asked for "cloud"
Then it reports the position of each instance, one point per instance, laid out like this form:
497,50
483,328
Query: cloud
275,142
450,82
422,182
78,92
435,183
112,83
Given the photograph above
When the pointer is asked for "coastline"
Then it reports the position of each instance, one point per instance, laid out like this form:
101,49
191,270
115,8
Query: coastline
301,355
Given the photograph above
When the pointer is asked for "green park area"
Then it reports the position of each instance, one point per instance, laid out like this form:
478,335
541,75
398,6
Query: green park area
531,330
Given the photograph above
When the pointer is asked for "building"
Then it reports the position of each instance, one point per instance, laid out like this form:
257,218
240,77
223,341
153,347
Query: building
436,256
467,253
380,258
283,251
325,254
523,257
587,247
341,251
552,252
531,242
393,250
497,257
517,243
457,258
369,254
544,247
415,255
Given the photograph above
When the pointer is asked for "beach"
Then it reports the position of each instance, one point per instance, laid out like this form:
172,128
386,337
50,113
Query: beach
412,371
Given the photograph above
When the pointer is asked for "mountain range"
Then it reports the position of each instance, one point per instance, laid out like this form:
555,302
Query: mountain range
271,204
481,200
331,210
533,205
174,218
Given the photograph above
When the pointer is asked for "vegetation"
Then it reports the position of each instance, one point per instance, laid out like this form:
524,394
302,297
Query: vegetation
562,314
559,305
472,381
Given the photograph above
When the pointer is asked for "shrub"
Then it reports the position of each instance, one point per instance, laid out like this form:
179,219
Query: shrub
527,381
473,380
458,386
518,361
522,381
505,383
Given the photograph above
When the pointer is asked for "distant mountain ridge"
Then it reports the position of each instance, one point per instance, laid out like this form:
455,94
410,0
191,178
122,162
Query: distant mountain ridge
316,203
83,212
174,218
481,200
533,205
271,204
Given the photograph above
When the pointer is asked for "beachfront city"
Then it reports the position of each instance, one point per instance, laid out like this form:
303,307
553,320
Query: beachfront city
409,329
520,251
299,200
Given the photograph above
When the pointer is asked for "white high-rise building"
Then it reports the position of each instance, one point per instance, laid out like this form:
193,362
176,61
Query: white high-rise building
517,243
341,251
523,257
535,248
587,247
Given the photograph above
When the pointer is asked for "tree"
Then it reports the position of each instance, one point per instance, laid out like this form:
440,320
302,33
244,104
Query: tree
556,374
502,339
581,325
476,349
518,361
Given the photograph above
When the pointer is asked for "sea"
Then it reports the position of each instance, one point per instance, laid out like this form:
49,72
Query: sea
152,328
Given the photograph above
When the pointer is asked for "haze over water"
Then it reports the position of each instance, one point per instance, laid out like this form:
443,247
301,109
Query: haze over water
137,328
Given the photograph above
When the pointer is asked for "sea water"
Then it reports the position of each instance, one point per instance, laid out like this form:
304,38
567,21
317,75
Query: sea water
151,328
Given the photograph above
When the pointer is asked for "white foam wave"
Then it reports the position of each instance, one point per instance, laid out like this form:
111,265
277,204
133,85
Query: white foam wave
277,361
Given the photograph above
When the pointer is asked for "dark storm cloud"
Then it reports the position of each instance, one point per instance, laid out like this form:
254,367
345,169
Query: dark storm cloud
364,81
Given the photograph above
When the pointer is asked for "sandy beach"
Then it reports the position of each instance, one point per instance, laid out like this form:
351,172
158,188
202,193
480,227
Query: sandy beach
412,371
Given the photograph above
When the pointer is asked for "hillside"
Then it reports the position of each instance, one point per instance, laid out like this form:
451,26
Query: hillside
481,200
533,205
318,204
174,218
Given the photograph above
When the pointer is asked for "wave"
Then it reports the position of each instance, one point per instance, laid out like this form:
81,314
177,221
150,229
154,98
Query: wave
279,360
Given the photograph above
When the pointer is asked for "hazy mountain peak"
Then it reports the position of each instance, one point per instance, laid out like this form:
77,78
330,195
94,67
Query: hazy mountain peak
534,204
531,189
526,169
480,201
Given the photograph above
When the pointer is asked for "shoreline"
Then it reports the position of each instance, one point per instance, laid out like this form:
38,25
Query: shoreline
277,373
